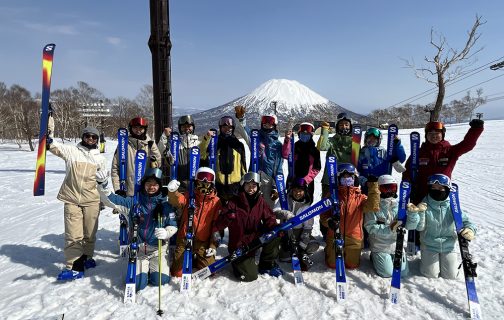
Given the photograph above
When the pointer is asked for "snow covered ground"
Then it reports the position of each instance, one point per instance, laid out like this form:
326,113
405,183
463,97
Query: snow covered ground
31,241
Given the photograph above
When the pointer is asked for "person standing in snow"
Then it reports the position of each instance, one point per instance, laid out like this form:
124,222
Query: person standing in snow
438,237
271,152
382,225
247,216
138,139
152,205
81,199
437,155
306,156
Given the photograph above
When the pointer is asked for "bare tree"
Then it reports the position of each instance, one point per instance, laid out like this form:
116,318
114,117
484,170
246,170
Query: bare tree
65,105
444,68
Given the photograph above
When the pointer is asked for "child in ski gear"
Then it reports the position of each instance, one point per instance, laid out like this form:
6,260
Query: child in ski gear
437,155
306,156
81,199
138,139
373,159
151,201
382,228
188,140
339,145
271,152
299,200
353,204
231,161
247,215
437,230
207,208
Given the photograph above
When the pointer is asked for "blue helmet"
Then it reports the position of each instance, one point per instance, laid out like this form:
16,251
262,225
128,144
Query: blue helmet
440,179
346,167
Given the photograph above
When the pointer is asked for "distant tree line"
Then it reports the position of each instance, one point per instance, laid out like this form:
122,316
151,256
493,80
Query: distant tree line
416,115
20,112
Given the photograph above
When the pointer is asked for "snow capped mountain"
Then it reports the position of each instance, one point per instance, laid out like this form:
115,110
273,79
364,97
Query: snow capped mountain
295,103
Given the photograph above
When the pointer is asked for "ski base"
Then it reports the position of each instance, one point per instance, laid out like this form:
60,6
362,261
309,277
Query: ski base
130,293
296,268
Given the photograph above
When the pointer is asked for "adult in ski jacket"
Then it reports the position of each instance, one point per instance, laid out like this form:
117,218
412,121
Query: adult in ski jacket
436,155
138,139
306,156
187,140
438,236
248,216
207,208
381,226
151,203
373,159
80,197
271,152
353,204
231,160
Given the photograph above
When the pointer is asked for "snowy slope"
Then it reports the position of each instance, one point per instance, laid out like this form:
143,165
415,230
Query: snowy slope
31,256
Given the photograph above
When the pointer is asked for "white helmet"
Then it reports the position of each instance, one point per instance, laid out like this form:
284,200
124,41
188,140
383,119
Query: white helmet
205,174
386,179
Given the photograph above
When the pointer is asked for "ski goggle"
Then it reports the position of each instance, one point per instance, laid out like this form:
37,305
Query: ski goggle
440,179
346,167
373,132
91,136
226,121
138,121
306,128
434,125
250,177
388,188
268,120
205,177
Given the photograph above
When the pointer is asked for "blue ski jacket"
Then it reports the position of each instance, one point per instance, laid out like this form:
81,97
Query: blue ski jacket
373,160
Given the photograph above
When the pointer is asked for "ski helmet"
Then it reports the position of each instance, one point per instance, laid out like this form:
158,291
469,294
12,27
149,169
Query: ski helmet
306,127
373,132
343,117
387,184
270,118
346,167
205,174
155,173
139,121
435,126
187,119
250,176
440,179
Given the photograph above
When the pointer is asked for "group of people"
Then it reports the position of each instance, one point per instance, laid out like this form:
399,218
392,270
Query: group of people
246,202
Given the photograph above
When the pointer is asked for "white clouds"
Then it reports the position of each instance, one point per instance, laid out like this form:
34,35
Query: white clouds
115,41
58,29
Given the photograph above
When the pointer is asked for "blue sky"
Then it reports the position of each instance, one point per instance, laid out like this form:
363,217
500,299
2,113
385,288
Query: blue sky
348,51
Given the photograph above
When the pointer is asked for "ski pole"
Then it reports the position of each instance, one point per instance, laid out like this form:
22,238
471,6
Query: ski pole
160,225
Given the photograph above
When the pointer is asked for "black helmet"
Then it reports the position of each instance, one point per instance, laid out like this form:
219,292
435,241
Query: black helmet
155,173
343,117
187,119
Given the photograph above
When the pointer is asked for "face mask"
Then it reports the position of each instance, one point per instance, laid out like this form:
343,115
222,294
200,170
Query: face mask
347,182
438,195
305,137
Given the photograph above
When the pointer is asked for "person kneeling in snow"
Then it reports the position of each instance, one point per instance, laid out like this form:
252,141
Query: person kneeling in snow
437,230
382,228
248,216
152,203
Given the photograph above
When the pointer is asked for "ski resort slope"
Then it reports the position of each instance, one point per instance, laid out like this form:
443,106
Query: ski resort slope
31,242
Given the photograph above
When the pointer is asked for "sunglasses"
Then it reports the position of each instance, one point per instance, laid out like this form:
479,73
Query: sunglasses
305,128
226,121
91,136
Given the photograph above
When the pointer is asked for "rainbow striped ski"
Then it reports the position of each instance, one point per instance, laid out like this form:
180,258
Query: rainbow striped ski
356,143
47,61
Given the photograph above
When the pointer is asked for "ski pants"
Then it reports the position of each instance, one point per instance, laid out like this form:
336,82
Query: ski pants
81,224
147,268
246,270
435,264
383,263
266,187
200,260
351,252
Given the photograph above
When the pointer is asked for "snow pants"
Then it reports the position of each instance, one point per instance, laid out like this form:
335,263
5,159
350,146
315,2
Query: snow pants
383,263
351,252
435,264
266,187
81,224
200,260
147,268
246,270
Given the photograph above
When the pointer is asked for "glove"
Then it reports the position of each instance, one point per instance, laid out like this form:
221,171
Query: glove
372,178
121,193
467,233
102,176
210,252
422,206
398,166
173,185
412,208
394,225
476,123
324,124
171,230
239,112
161,233
331,223
274,195
284,214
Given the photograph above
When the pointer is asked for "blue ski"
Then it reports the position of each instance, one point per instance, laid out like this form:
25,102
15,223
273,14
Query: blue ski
341,283
395,284
122,149
296,264
290,159
412,248
392,133
212,149
174,150
254,150
311,212
186,282
130,290
468,265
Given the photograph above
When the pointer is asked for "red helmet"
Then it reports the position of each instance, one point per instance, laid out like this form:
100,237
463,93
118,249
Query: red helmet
139,121
435,126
